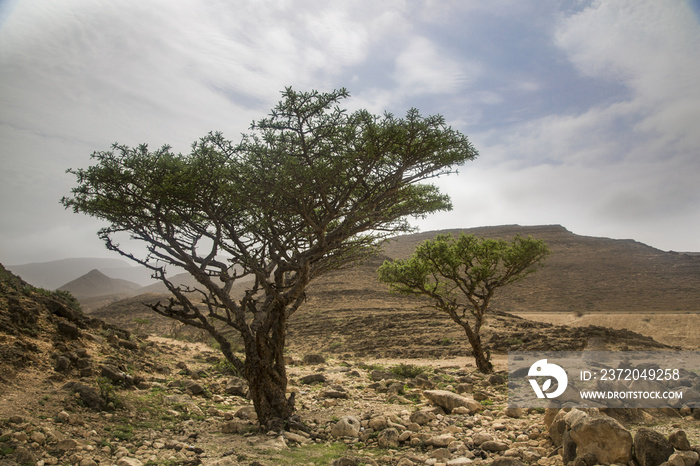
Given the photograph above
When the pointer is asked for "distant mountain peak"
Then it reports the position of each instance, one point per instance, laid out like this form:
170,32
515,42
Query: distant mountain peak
95,283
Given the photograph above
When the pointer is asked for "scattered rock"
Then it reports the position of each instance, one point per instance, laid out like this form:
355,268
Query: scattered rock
651,448
237,387
67,445
507,461
349,426
24,456
129,462
422,417
440,440
481,437
68,330
388,438
449,401
312,378
684,458
193,387
493,445
113,373
312,359
514,412
90,396
603,437
679,440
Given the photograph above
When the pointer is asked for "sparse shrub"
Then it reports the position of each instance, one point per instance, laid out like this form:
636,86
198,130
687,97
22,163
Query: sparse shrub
108,392
224,366
407,371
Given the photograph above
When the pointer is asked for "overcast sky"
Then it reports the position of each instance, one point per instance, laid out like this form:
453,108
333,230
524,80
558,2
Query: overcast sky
585,113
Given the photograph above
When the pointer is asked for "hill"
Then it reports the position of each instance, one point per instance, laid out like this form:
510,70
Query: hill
589,274
350,311
95,283
53,274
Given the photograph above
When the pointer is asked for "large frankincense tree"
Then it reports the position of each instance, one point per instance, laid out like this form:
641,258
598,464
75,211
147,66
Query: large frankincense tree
460,276
310,188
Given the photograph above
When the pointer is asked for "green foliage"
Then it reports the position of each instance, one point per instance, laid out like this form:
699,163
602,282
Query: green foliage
309,189
449,269
108,392
224,366
407,371
316,454
460,276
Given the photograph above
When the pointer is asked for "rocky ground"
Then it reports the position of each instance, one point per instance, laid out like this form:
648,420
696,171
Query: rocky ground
165,402
77,391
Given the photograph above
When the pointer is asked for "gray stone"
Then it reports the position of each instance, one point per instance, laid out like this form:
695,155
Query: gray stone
334,393
493,445
507,461
481,437
113,373
67,445
90,397
349,426
237,387
247,412
24,456
496,379
440,440
679,440
459,461
129,462
684,458
651,448
310,359
68,330
603,437
449,401
378,423
193,387
557,426
312,378
514,412
421,417
388,438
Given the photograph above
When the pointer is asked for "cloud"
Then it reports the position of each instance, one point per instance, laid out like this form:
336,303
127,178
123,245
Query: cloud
422,68
626,167
584,112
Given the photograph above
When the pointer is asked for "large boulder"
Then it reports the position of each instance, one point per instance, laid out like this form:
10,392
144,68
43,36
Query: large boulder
603,437
651,448
349,426
449,401
679,440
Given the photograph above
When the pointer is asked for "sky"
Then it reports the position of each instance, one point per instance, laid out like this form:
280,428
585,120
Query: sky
585,113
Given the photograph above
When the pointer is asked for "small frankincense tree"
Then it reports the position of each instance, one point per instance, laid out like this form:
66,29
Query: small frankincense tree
460,276
310,189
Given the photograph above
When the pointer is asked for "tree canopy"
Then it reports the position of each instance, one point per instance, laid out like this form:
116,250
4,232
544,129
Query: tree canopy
460,276
309,188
